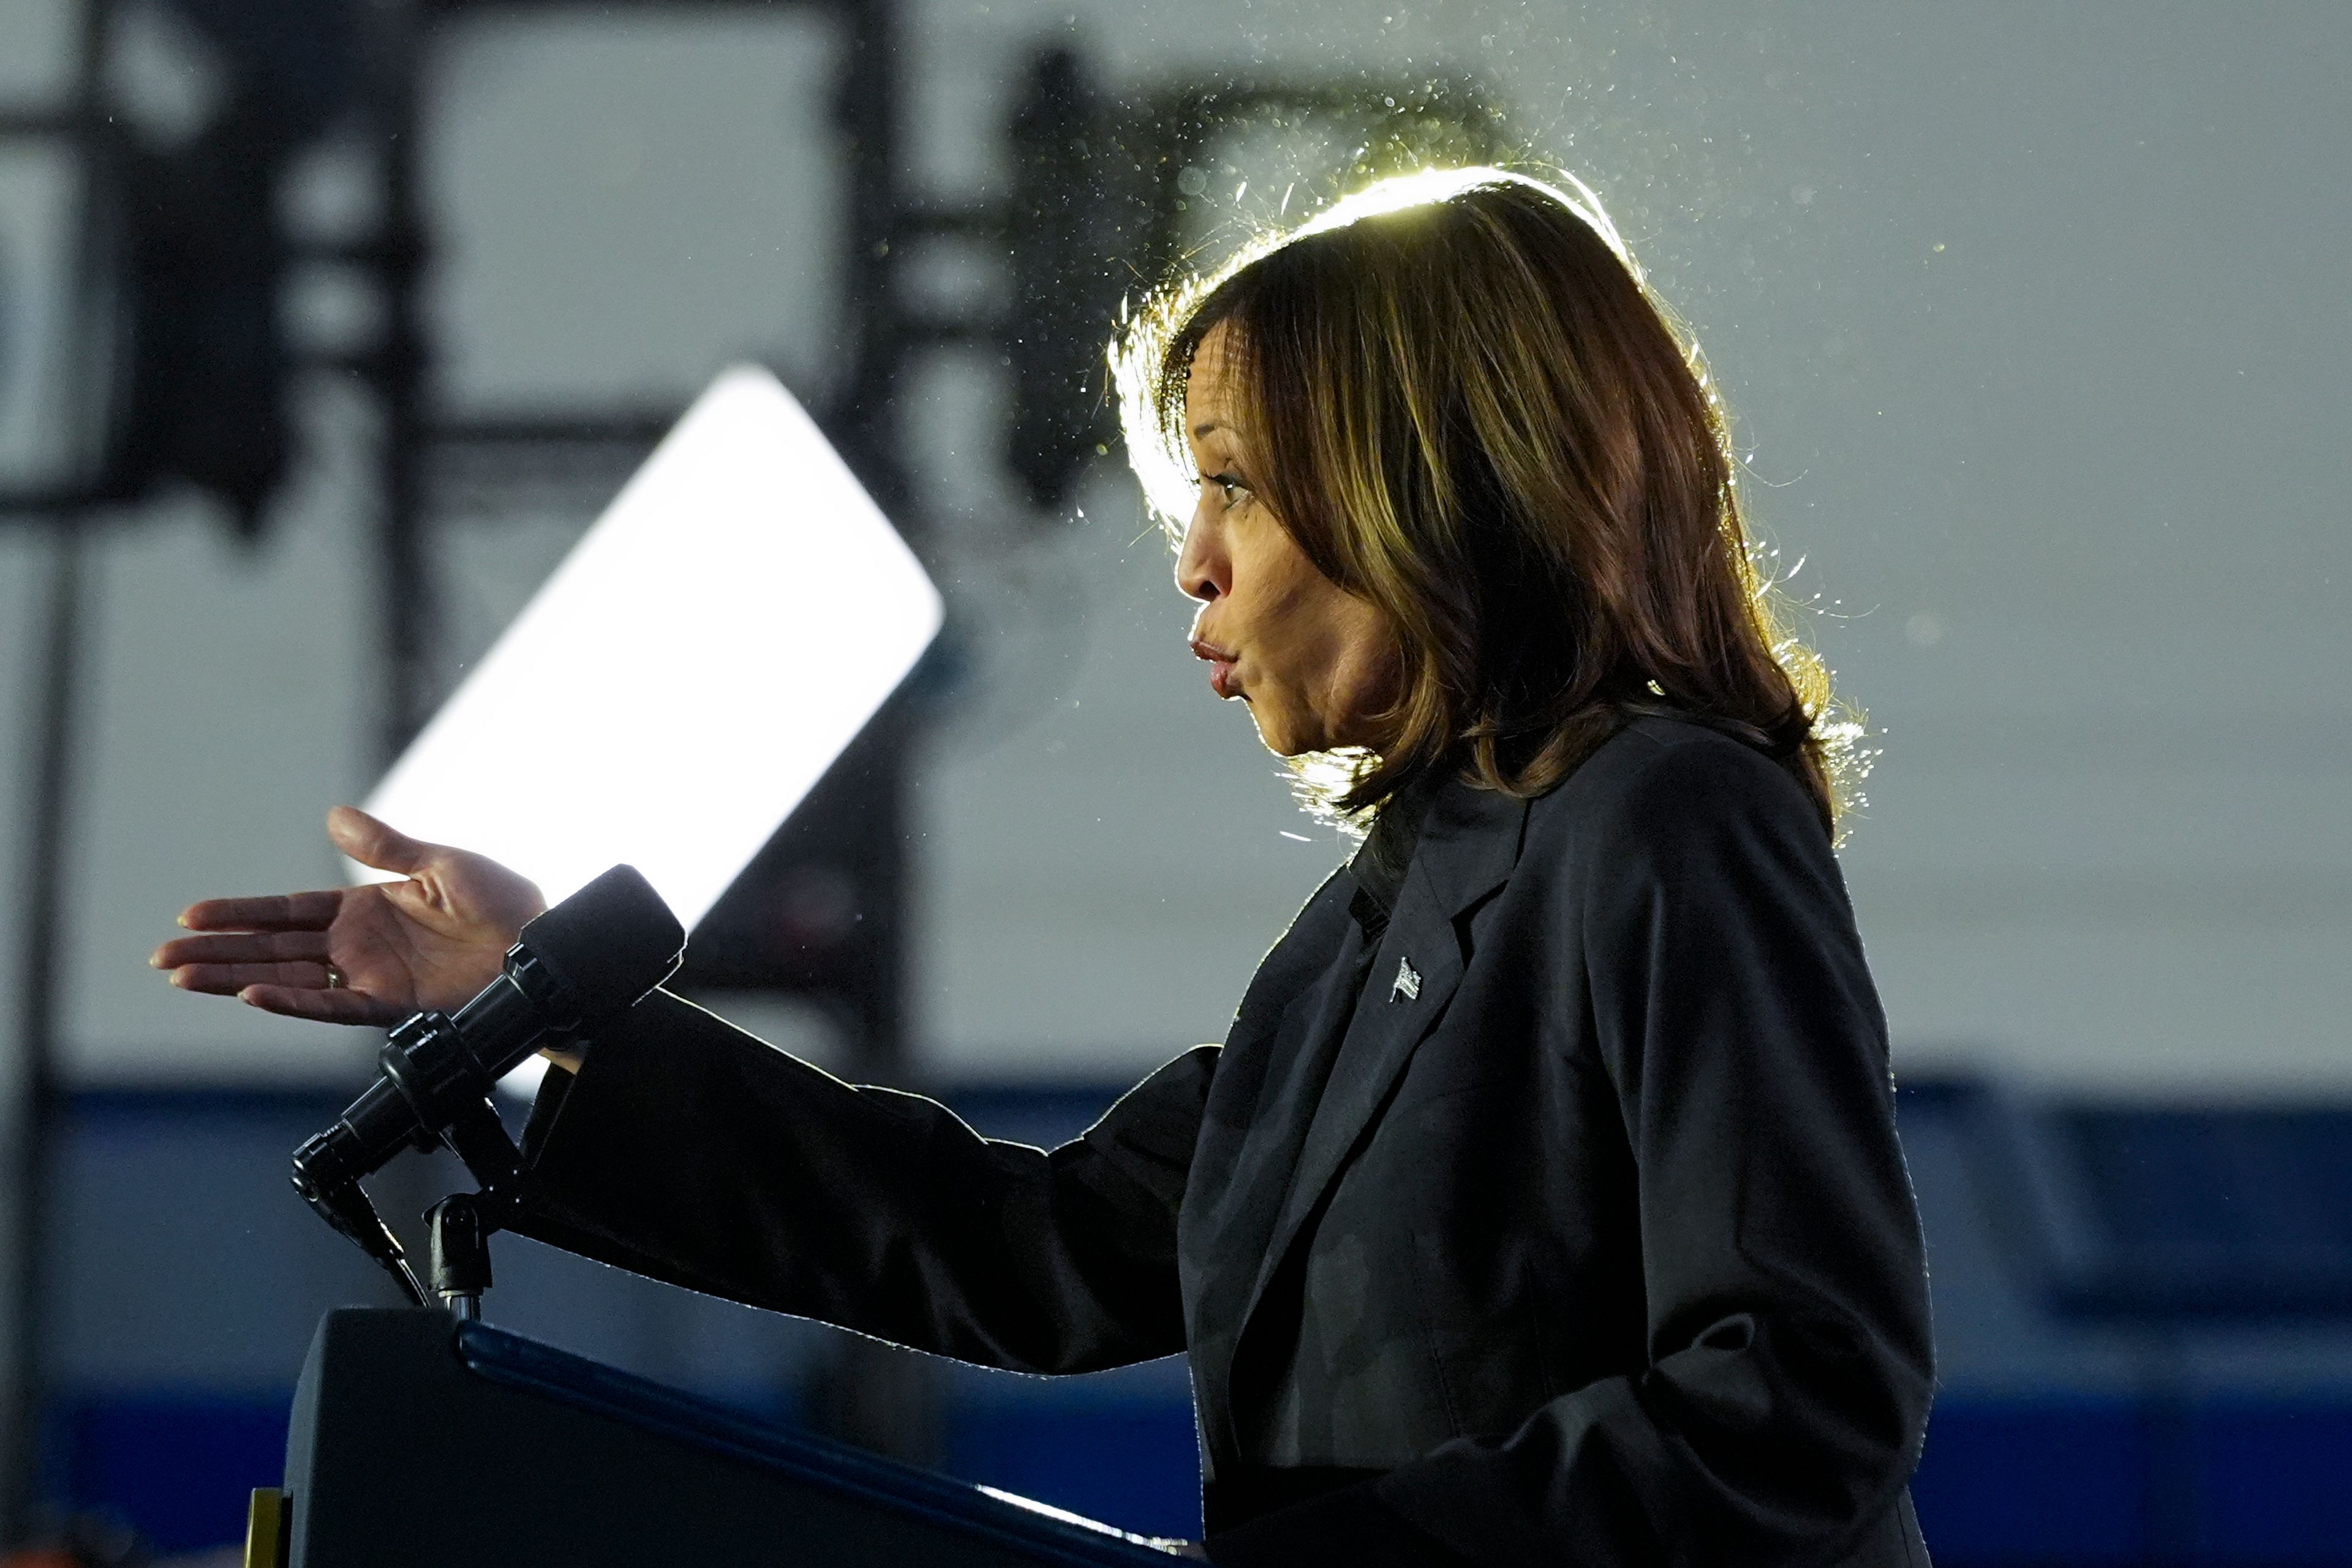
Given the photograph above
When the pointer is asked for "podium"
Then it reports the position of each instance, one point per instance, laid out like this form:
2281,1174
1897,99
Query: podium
417,1439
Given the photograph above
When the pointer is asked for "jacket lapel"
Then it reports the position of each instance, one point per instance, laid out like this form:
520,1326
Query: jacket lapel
1469,842
1241,1211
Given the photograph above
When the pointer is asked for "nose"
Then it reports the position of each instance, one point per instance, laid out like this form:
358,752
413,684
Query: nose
1203,571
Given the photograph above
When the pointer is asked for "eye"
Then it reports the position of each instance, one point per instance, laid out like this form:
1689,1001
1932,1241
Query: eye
1230,483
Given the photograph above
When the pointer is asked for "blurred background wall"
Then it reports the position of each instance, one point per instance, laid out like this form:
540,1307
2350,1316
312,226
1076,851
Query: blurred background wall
2033,321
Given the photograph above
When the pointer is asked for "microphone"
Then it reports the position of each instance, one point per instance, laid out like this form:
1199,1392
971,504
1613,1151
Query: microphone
596,954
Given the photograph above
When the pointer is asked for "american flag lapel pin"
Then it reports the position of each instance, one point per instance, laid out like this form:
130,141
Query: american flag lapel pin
1406,987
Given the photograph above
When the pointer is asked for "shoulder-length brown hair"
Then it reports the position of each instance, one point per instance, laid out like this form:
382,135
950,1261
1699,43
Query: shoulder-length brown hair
1470,411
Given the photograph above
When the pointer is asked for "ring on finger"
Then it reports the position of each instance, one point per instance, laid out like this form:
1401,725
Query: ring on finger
335,978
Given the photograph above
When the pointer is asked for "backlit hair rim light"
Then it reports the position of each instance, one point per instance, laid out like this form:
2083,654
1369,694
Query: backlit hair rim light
1163,463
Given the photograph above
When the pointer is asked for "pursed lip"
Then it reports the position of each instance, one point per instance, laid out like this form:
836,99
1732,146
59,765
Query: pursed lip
1220,664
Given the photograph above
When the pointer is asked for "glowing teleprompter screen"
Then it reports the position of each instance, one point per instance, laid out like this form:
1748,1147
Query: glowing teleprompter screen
687,673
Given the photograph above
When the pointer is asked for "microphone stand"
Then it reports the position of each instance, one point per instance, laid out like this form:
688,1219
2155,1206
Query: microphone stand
460,1225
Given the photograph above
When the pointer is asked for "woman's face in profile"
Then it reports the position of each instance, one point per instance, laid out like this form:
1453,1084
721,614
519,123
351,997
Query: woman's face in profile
1315,663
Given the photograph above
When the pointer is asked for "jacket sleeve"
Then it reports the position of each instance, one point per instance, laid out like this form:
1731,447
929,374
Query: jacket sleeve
1789,1362
690,1152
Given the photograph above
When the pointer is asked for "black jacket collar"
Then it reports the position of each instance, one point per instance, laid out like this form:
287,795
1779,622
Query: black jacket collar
1328,1062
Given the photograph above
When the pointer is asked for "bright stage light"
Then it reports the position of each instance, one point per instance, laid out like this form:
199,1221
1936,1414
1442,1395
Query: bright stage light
687,673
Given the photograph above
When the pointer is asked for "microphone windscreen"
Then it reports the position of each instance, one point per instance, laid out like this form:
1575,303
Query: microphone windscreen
610,943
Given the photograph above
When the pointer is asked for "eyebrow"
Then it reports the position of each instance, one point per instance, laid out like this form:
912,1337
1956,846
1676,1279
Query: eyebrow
1207,426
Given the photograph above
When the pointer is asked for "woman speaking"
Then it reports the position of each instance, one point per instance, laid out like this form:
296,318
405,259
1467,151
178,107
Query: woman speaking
1543,1204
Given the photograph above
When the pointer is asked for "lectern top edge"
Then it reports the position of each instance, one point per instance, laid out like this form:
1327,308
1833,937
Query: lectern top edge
511,1358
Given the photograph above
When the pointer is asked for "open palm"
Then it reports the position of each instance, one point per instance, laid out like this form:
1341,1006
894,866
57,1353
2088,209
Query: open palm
431,940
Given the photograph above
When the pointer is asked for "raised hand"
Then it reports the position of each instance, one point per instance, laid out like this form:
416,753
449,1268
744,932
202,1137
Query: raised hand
432,941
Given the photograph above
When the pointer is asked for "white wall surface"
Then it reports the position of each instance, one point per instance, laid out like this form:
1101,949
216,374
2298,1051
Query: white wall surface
2033,318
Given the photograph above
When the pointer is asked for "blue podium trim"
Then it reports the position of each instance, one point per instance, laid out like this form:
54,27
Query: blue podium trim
1049,1533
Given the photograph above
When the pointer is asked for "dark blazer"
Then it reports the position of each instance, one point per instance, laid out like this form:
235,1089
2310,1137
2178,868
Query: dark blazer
1580,1235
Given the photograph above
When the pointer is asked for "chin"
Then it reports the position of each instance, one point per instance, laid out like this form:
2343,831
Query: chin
1285,740
1270,736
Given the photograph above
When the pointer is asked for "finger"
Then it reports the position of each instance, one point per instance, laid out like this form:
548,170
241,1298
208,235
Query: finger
277,911
372,841
242,947
229,979
319,1005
